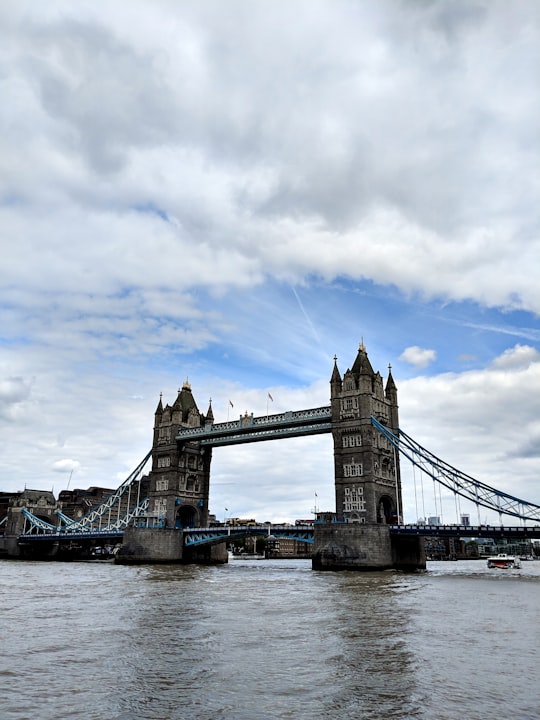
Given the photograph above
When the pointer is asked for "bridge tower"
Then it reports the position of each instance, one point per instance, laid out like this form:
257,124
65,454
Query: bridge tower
366,476
178,492
179,482
366,467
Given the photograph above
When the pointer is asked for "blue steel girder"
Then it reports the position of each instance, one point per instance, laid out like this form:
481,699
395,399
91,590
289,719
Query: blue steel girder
100,518
60,536
78,528
38,523
212,536
313,421
458,482
524,532
88,521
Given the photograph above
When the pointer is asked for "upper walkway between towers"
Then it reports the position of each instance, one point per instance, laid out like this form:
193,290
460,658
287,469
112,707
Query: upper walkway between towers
247,428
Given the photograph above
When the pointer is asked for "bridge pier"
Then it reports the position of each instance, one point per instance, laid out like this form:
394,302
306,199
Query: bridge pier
352,546
408,553
143,546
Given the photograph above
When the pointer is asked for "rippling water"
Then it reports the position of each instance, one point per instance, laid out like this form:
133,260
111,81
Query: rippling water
258,640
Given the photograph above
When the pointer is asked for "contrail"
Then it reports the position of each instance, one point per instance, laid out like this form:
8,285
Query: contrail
308,320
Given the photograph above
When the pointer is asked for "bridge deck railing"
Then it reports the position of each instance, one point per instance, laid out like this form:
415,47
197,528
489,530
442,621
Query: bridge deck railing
246,422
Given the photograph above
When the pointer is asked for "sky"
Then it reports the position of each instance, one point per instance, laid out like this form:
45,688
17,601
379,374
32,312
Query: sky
234,193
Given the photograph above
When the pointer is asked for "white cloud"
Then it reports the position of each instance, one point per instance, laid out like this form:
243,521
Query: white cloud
378,150
417,356
15,394
516,358
65,466
484,422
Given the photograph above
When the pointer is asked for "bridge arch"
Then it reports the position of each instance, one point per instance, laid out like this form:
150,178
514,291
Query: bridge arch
356,517
386,510
186,517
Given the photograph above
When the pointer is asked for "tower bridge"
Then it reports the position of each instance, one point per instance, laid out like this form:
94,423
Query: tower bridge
163,516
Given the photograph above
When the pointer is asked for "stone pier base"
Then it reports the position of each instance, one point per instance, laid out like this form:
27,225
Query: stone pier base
348,546
142,546
9,547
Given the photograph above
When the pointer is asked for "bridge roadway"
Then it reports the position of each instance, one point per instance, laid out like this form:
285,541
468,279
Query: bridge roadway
528,532
303,533
200,536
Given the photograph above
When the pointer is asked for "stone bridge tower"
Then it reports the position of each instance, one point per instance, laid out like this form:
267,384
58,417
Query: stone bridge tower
367,478
366,466
179,483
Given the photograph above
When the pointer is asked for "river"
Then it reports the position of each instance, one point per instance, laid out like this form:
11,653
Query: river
265,640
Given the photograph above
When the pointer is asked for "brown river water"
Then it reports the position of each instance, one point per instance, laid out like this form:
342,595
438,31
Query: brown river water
262,640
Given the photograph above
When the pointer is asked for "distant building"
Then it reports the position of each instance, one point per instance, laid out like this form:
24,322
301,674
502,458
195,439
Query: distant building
76,503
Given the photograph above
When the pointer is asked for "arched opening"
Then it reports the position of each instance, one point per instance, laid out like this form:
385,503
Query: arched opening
186,517
355,517
386,510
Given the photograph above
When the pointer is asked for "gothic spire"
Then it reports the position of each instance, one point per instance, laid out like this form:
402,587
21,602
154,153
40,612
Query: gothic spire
390,390
210,414
336,377
361,365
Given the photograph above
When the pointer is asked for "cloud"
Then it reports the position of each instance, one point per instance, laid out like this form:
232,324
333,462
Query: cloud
516,358
65,466
419,357
484,422
342,166
14,394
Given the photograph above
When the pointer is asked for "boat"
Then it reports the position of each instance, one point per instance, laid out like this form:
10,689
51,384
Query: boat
502,560
246,556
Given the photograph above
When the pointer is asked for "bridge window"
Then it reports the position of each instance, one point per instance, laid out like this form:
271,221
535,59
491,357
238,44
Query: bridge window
164,461
354,499
162,484
353,470
160,506
164,435
352,441
349,407
192,484
191,461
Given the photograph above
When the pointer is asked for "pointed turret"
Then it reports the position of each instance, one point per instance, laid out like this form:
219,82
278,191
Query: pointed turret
159,409
185,403
391,389
391,396
361,365
335,380
336,385
209,419
362,370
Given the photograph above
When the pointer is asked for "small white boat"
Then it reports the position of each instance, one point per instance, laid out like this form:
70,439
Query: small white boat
502,560
245,556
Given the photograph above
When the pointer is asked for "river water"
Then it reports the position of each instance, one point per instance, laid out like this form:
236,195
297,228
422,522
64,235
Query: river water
262,640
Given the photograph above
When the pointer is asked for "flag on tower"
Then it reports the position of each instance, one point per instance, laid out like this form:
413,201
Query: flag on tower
230,403
271,398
